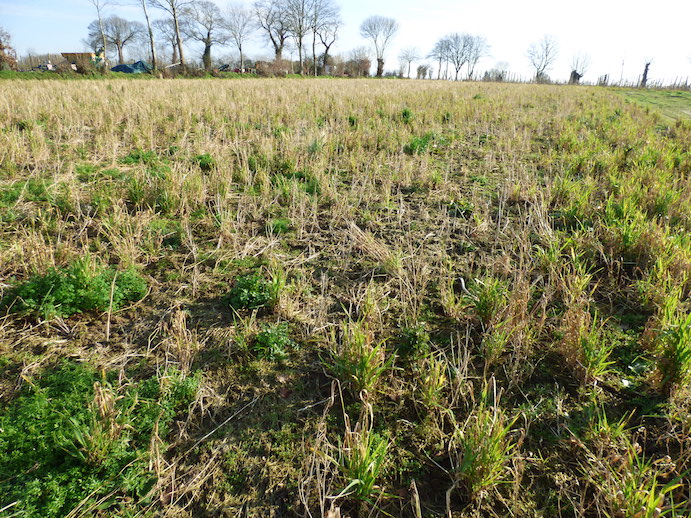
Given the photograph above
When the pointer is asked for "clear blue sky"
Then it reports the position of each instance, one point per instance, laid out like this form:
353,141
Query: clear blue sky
612,32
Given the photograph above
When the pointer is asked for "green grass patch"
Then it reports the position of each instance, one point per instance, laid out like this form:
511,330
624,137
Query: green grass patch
671,104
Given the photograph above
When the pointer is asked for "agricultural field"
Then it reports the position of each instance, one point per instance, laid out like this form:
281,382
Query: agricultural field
353,298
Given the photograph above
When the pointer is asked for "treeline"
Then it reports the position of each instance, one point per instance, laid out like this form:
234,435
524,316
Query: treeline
308,28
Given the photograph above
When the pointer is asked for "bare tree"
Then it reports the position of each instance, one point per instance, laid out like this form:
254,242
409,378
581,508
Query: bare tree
271,17
176,9
327,31
440,52
542,55
100,5
408,55
166,30
380,30
238,22
298,16
458,50
205,24
477,49
118,32
325,20
579,65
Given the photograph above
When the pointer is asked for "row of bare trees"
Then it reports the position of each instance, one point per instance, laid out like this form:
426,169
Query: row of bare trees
304,23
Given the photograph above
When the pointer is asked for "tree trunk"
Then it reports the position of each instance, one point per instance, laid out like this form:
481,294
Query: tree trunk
279,52
439,72
121,58
644,79
178,37
151,36
242,59
206,57
103,35
314,54
409,69
175,54
326,60
380,67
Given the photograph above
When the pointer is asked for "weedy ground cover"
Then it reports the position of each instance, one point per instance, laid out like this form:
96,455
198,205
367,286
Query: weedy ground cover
290,297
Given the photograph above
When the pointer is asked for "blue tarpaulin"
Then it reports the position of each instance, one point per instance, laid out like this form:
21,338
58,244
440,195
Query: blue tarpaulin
140,67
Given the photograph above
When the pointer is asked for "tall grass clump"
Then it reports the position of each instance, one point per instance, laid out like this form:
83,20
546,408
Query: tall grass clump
360,458
358,360
481,448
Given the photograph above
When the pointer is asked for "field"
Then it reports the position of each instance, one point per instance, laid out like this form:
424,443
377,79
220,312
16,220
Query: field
342,298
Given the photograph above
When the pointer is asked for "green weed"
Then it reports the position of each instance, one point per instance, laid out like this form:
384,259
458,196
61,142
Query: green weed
272,342
279,226
84,285
73,439
419,145
254,291
205,162
139,156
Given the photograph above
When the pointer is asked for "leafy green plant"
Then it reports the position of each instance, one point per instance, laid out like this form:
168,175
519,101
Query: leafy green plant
205,161
419,145
596,351
433,381
460,208
407,115
307,182
413,341
494,343
272,342
71,438
279,226
84,285
254,291
139,156
631,485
